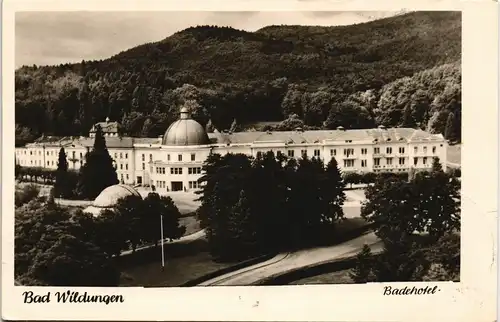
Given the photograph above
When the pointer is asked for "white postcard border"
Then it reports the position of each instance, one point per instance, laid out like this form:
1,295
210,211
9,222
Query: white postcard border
474,298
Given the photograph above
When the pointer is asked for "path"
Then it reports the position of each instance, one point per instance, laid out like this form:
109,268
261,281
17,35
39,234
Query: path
291,261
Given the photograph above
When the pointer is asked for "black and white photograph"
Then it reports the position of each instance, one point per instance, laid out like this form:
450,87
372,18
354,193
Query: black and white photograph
188,149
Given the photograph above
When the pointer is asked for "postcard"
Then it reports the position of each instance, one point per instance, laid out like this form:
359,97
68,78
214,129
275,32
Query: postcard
249,160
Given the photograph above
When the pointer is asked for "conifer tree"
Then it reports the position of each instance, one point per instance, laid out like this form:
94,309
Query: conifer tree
362,271
333,191
98,171
242,227
436,165
61,186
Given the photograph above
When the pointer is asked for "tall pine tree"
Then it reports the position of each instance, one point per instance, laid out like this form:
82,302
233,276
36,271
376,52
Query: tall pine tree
98,172
333,192
62,188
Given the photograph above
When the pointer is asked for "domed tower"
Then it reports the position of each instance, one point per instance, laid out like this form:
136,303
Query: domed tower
185,131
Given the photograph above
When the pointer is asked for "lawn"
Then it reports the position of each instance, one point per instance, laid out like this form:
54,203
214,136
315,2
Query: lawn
178,269
191,223
339,277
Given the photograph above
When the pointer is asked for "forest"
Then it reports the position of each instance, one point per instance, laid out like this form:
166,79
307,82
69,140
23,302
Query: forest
399,71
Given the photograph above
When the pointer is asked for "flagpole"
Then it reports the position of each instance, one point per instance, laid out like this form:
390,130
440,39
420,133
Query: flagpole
162,243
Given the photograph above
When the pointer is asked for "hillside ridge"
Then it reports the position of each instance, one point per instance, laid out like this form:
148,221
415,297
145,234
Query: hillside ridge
321,76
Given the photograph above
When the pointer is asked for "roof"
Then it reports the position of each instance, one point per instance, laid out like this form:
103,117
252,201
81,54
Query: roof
192,133
185,132
109,197
311,137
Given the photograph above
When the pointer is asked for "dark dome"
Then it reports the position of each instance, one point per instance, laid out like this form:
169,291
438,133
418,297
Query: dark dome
185,131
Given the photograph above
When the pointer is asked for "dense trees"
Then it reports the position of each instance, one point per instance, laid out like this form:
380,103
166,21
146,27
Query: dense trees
98,172
56,246
413,219
269,203
51,248
319,73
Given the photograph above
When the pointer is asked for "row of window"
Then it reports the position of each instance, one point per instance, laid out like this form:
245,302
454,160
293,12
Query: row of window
350,151
179,157
161,184
194,185
121,155
195,170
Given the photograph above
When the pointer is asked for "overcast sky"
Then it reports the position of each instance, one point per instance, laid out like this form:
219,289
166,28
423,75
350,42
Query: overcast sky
47,38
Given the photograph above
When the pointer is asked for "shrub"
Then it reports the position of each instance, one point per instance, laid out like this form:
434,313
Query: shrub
28,193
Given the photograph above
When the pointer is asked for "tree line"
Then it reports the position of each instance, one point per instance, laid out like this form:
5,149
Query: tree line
270,203
328,76
59,246
418,222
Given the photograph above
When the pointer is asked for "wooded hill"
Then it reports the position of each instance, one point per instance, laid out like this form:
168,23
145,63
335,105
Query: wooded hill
403,70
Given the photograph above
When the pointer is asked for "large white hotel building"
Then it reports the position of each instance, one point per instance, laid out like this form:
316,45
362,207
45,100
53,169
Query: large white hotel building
173,162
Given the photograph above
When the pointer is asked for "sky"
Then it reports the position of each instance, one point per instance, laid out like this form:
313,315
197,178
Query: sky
48,38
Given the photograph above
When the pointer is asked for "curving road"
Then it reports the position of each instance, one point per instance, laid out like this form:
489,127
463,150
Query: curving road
292,261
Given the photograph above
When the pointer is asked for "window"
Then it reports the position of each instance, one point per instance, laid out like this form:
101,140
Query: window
40,152
179,157
259,155
193,157
143,157
316,153
415,149
143,166
126,166
425,150
303,153
31,152
168,157
150,158
81,155
348,163
193,185
348,152
121,166
364,151
424,160
376,161
126,155
389,161
388,150
126,176
73,154
401,161
121,155
434,150
47,152
401,150
278,153
48,163
333,152
363,163
291,153
376,150
175,170
52,162
415,161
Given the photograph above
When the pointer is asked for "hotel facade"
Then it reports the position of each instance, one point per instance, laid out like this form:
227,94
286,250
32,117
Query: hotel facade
173,162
